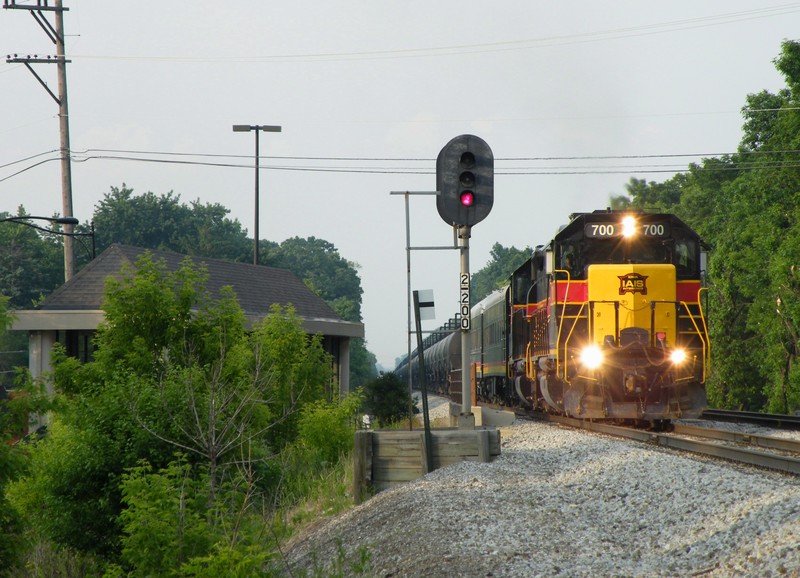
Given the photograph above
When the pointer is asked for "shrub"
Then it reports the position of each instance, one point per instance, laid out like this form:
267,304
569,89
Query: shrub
388,399
327,428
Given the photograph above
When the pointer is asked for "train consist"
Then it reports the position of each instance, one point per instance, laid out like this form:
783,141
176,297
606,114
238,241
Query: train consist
604,322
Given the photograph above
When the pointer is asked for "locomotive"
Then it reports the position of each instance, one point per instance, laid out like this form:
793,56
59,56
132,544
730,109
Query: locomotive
604,322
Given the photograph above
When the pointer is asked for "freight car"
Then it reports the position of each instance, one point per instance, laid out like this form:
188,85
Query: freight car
604,322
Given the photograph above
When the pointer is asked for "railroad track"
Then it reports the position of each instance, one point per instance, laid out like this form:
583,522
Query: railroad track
777,454
773,420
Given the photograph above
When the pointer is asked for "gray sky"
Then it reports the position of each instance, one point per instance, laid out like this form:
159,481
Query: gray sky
387,80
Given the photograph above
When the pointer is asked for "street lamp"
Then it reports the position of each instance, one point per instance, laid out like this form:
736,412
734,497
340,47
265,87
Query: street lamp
257,128
23,220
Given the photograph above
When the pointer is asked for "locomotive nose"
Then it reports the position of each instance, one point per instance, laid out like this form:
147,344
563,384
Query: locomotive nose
630,298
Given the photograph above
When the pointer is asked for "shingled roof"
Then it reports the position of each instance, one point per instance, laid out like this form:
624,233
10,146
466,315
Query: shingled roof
257,288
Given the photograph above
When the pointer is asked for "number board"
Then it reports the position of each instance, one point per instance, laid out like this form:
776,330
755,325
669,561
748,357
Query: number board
464,300
609,230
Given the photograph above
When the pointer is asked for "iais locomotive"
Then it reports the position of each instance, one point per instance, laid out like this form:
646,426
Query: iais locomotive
604,322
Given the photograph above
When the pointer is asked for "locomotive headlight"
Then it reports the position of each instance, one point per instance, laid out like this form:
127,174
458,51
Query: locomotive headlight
628,226
678,356
591,357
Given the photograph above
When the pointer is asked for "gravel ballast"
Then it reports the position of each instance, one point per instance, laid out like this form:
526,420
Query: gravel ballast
561,502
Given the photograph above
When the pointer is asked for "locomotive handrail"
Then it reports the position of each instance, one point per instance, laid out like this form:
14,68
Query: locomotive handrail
569,336
703,318
530,373
699,334
561,320
563,316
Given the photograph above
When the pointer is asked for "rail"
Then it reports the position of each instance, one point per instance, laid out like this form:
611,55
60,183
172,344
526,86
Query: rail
771,461
775,420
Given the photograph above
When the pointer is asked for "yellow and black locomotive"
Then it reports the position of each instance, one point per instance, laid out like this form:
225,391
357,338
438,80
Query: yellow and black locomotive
604,322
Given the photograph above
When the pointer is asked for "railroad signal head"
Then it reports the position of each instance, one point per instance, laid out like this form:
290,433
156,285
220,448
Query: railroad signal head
465,180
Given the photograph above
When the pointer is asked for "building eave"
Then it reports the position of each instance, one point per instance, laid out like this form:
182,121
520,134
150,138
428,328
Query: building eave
56,320
89,320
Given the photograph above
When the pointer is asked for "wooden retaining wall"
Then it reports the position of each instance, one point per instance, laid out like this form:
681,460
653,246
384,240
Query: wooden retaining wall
386,458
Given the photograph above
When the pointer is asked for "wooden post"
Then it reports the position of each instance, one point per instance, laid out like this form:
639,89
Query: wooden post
484,454
362,464
427,461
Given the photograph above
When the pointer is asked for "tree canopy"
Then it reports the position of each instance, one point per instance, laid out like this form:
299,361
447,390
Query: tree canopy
746,206
497,272
164,222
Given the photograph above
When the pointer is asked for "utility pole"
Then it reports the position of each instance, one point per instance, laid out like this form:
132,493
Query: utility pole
56,35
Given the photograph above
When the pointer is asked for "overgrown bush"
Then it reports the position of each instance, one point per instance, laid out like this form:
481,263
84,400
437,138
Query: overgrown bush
388,399
328,428
165,522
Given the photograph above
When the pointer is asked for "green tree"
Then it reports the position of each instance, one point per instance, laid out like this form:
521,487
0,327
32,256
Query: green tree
24,284
651,196
320,266
165,223
758,246
387,398
497,272
363,363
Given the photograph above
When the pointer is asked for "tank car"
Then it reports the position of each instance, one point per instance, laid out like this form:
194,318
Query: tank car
442,355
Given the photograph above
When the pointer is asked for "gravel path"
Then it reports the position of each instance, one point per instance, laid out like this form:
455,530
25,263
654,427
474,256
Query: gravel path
560,502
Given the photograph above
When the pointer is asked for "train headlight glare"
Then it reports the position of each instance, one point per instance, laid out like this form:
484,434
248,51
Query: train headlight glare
592,357
678,356
628,226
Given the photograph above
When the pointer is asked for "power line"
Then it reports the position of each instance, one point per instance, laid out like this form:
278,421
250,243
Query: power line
488,47
83,156
28,158
431,159
29,168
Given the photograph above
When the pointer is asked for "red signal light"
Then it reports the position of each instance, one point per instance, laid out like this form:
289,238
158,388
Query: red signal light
467,198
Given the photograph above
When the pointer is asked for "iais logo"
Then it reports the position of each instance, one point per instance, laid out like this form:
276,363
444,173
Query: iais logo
632,283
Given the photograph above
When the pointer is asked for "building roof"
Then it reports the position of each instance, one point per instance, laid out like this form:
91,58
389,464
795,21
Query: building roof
257,289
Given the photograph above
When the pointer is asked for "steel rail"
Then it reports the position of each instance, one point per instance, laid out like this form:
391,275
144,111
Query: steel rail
765,419
740,455
762,441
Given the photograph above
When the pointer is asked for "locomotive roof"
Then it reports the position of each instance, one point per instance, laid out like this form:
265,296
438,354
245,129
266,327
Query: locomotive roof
578,220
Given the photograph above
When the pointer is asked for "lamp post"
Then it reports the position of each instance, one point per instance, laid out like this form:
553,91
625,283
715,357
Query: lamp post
257,128
23,220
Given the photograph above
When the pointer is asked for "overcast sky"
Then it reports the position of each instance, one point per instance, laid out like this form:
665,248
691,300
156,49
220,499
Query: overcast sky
367,94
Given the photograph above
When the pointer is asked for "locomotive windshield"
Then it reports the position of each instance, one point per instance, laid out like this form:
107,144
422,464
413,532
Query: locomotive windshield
606,243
